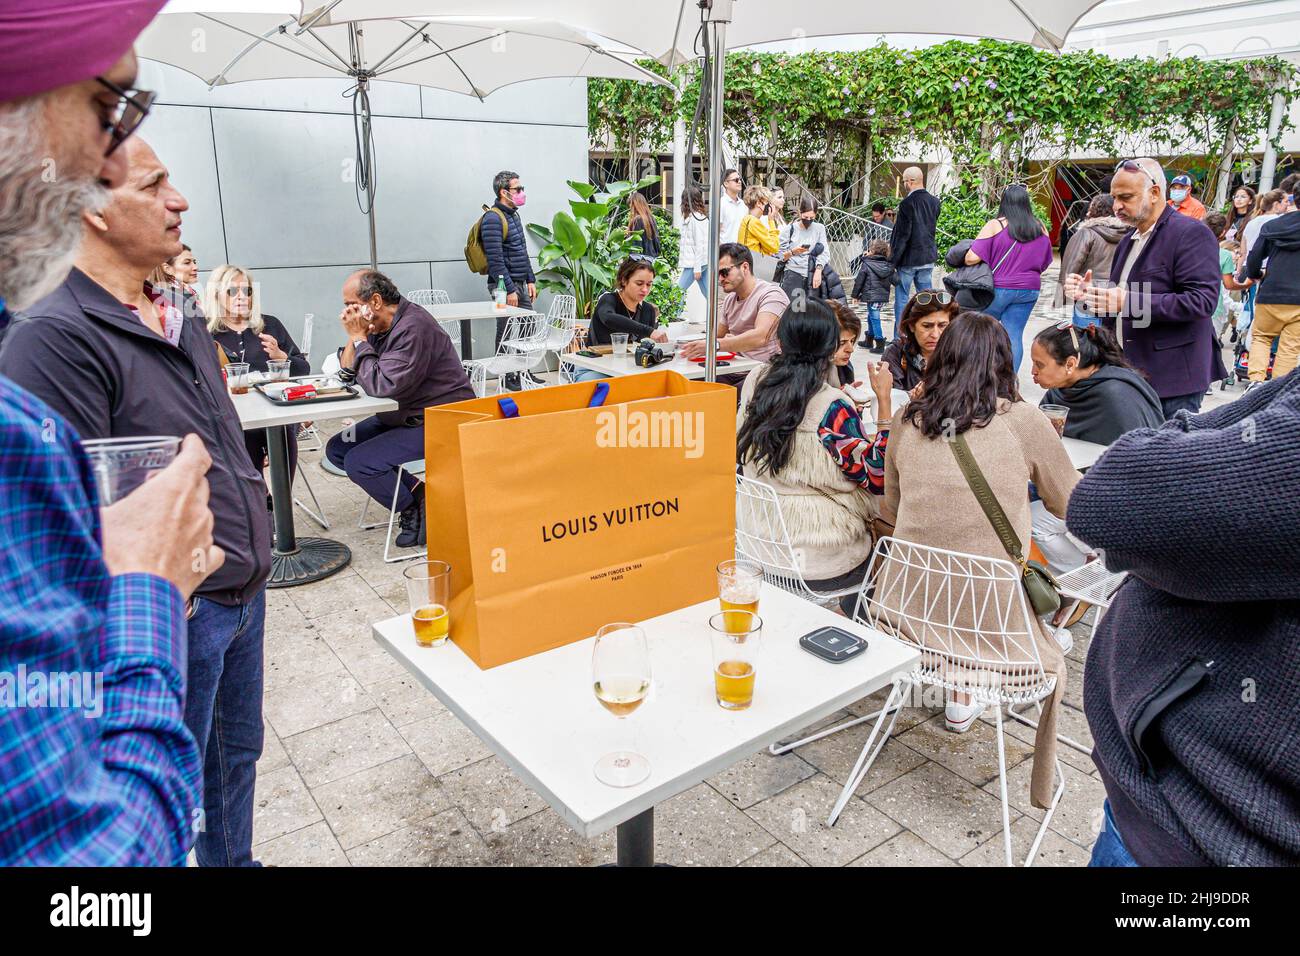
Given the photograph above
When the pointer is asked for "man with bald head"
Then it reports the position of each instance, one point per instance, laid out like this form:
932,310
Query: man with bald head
1164,290
913,250
117,357
397,350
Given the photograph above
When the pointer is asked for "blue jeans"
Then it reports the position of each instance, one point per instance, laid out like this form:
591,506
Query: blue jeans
874,330
688,276
910,279
1084,319
223,709
1109,850
373,454
587,375
1011,307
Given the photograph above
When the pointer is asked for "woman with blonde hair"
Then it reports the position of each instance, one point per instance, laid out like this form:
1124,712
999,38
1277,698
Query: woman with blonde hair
757,230
233,309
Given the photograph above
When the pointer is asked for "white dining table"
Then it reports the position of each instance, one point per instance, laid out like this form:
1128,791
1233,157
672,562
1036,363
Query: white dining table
296,560
617,365
1083,454
540,716
466,313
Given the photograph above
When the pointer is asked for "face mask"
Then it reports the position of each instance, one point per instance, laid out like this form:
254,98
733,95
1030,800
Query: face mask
1178,195
519,199
366,313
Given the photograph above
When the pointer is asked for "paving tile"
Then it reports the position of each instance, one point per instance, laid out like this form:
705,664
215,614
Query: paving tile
490,795
913,712
760,776
345,747
778,854
311,846
344,591
946,811
302,656
906,849
972,755
379,800
837,754
702,828
405,700
354,625
281,804
1078,816
443,840
1070,722
444,744
370,663
302,705
273,754
1055,850
543,839
797,817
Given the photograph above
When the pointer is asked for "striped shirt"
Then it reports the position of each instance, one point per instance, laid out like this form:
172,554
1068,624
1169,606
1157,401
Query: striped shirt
97,766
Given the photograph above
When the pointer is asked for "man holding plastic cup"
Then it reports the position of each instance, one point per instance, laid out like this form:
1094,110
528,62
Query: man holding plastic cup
118,358
87,593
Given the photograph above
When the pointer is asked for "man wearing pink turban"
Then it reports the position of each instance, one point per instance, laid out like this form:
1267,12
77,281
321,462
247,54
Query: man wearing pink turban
99,768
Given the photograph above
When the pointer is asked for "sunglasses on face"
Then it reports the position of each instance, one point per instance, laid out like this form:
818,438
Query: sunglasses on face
234,290
517,189
125,116
1132,166
725,271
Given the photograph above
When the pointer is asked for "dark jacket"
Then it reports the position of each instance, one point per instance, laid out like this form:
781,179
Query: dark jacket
1173,289
1217,767
87,356
831,287
908,367
1092,246
1279,243
650,245
414,363
1109,402
912,242
876,278
611,315
509,259
246,346
970,286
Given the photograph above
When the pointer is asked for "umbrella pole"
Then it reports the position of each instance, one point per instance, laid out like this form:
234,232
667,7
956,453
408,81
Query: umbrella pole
718,15
368,146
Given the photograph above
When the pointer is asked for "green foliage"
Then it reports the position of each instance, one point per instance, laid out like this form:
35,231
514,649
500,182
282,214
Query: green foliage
582,249
665,294
961,216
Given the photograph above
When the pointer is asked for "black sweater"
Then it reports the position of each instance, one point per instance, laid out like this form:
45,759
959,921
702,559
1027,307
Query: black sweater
1111,401
1279,243
611,315
246,346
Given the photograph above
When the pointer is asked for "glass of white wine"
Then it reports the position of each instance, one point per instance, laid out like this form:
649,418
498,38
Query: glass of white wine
620,673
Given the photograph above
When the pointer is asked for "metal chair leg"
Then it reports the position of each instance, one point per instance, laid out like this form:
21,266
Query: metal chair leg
392,517
869,752
1002,787
319,515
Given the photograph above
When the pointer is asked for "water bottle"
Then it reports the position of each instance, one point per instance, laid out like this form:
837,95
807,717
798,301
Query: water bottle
500,295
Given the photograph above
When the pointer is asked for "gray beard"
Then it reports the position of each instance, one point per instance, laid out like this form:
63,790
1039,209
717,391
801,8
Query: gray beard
40,211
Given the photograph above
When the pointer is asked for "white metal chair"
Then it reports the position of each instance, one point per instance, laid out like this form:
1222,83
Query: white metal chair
415,468
968,616
562,322
477,373
318,515
427,297
523,348
309,433
762,537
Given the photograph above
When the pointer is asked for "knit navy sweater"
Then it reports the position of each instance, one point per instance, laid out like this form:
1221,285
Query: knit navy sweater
1204,512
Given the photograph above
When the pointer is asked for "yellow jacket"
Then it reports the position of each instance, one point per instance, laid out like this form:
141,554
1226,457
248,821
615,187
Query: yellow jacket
761,238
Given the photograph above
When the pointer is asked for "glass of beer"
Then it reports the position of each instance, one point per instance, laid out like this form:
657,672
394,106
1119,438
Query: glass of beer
122,465
237,377
1056,414
277,370
620,674
737,639
428,587
738,587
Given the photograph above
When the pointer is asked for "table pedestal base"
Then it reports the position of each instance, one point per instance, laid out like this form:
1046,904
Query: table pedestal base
636,841
314,558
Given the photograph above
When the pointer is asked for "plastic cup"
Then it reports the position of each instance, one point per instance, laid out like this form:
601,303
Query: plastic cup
277,371
428,588
737,640
619,341
1057,415
237,377
122,465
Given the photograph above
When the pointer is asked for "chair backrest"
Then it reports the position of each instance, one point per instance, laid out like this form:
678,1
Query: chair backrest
562,320
308,325
477,373
968,613
452,328
428,297
525,334
762,536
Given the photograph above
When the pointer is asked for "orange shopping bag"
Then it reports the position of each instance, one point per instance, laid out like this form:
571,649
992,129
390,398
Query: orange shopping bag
569,517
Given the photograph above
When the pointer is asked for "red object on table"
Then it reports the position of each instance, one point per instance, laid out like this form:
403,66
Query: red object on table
720,356
299,391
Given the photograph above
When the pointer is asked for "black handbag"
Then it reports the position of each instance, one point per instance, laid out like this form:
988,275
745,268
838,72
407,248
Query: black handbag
1040,587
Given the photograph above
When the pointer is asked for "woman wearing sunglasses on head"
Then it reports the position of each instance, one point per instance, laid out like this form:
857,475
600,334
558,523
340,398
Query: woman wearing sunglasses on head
923,321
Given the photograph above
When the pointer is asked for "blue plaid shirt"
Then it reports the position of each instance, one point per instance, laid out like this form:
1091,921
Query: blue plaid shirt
96,765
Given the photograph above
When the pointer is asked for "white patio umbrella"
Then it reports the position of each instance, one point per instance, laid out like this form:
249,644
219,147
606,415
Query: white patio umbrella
673,31
231,41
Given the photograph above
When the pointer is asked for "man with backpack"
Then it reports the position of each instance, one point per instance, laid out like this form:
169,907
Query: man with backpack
498,249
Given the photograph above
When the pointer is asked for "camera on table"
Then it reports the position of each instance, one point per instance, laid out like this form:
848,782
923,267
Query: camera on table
650,353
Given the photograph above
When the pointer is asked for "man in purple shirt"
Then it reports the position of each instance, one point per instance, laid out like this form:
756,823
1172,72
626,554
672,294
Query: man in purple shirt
395,350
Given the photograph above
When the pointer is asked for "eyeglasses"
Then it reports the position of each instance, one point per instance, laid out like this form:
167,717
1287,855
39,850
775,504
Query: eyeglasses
517,189
725,271
240,290
929,296
126,114
1133,166
1074,335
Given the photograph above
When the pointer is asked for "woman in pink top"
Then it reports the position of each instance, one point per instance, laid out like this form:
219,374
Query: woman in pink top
1017,249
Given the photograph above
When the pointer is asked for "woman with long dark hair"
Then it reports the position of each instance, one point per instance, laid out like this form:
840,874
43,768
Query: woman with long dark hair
1243,207
971,390
693,253
920,327
804,437
1016,247
641,220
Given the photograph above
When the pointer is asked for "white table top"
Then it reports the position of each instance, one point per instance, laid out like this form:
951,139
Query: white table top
540,716
256,411
1083,454
480,309
623,365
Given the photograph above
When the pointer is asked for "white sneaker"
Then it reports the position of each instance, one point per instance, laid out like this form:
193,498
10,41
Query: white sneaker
959,718
1064,639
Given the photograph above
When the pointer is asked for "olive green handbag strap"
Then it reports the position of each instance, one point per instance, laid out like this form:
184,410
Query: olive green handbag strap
987,500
